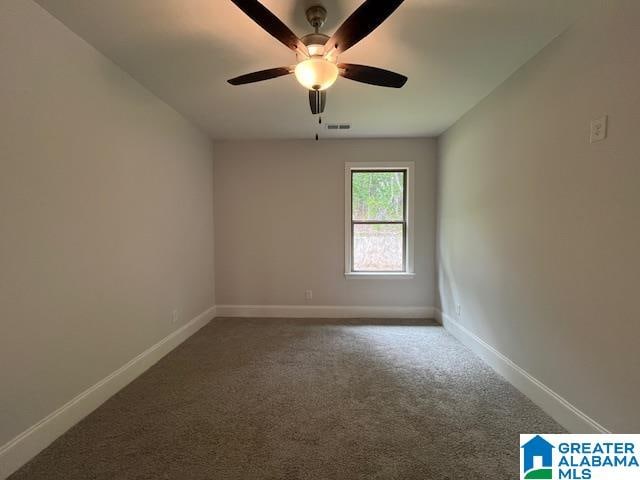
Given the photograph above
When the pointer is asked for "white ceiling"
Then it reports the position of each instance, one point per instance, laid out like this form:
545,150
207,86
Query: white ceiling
454,52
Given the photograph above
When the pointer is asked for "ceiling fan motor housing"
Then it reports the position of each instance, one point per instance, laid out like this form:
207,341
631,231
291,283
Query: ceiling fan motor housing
315,39
315,44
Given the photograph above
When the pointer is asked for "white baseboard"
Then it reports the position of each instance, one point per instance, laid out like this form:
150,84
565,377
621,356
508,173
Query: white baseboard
553,404
322,311
32,441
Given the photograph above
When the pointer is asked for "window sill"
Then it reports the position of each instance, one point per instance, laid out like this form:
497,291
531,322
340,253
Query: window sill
380,276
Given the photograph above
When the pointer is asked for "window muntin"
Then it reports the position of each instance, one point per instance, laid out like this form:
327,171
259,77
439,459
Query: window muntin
378,220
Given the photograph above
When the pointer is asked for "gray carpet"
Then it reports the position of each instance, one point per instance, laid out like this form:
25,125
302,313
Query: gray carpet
304,399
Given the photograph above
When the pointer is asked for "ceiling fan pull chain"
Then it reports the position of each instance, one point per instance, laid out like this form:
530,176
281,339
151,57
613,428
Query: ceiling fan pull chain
317,137
320,120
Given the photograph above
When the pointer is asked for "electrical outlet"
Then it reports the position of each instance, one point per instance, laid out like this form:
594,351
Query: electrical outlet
598,129
174,316
308,294
458,310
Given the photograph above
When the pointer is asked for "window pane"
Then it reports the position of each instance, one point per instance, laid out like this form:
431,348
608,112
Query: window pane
378,196
377,248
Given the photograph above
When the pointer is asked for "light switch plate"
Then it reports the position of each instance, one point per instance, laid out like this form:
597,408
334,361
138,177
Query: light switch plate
598,129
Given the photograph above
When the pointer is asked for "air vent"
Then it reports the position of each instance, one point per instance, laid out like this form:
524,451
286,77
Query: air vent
338,126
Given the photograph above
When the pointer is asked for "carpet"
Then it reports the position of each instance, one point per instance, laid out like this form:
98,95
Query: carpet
304,399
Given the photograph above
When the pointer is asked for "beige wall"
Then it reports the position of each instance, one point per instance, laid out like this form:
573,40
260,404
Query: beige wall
539,230
280,223
106,217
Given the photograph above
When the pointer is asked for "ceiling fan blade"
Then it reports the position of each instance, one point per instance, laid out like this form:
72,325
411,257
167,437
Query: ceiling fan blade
361,23
261,75
372,75
317,101
272,24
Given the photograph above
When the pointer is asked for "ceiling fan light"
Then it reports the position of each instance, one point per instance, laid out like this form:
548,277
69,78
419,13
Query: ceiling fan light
316,73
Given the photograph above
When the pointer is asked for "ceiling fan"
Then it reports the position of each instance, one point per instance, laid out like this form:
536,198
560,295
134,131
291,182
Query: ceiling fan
317,66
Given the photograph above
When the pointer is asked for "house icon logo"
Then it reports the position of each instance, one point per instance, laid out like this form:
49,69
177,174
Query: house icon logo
537,459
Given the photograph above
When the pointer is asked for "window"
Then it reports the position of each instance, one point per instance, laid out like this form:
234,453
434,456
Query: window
378,223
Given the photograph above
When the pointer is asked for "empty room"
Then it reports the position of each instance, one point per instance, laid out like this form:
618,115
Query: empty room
319,239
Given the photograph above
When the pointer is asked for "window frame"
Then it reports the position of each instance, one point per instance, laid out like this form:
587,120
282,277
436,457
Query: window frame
408,169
